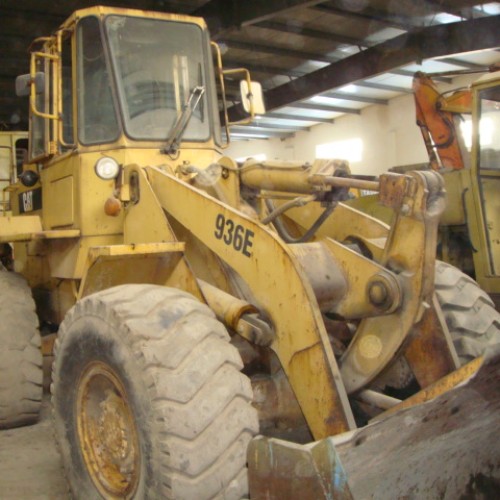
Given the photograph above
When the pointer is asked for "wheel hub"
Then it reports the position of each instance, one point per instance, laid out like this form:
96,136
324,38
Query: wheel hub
107,432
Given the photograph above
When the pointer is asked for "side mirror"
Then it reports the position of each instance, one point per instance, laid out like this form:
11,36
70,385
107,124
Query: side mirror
23,84
252,98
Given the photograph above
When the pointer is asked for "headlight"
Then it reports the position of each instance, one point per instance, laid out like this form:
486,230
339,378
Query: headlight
107,168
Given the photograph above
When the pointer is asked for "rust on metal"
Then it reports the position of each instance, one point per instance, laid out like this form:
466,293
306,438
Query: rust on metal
280,469
48,342
431,354
447,447
443,385
393,190
275,402
410,246
226,307
107,432
271,270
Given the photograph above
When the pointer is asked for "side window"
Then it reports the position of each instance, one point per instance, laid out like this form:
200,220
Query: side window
489,129
97,122
12,156
67,92
5,170
21,155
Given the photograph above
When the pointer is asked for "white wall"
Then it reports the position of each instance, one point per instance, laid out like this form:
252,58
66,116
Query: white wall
274,149
389,134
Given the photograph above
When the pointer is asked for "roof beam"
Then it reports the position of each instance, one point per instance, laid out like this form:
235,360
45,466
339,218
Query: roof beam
324,107
262,68
427,43
364,16
279,51
462,64
355,98
461,8
306,56
285,116
383,86
259,126
411,74
222,15
241,130
294,73
405,13
298,29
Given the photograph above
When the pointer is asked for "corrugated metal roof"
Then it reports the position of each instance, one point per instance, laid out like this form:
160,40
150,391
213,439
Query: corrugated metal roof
316,60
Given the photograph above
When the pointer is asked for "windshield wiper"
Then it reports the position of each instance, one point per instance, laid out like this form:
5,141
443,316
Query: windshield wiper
181,123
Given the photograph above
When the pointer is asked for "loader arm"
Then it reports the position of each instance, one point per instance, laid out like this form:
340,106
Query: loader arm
272,269
406,249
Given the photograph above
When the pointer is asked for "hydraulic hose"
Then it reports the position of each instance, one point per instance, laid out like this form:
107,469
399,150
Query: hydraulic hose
285,235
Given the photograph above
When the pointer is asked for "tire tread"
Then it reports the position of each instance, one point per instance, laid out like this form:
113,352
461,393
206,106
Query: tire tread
200,401
20,354
470,314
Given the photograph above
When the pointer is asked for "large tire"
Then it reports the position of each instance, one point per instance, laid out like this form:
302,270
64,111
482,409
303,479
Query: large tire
20,354
470,314
148,398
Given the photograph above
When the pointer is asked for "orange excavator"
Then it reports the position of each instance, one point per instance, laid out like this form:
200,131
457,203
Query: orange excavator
436,115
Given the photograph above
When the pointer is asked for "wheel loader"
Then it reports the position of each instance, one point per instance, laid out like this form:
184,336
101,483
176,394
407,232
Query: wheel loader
469,227
223,329
460,131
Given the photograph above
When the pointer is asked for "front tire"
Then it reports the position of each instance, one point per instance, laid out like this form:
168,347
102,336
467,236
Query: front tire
471,318
148,398
470,314
20,354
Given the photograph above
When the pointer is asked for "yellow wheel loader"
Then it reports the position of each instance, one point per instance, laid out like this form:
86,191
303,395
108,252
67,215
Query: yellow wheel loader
200,302
460,129
461,133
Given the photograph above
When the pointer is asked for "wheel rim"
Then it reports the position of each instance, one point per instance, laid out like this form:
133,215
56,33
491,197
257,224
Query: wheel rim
107,432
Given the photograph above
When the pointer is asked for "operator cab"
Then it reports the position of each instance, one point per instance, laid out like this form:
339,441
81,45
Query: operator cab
155,65
133,78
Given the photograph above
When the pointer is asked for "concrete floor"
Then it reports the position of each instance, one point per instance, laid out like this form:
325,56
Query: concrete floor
30,466
444,449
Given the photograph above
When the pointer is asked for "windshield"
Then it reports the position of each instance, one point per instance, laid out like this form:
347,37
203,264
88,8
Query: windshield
157,65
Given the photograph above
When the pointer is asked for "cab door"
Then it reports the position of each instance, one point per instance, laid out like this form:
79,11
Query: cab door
486,176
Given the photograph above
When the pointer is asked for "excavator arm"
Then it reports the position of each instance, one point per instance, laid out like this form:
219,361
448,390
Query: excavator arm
436,119
438,115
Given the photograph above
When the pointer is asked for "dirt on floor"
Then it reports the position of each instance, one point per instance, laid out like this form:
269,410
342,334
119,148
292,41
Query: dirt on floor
30,465
446,449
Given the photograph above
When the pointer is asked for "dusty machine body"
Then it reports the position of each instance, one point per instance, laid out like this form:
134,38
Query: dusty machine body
468,232
470,226
129,203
